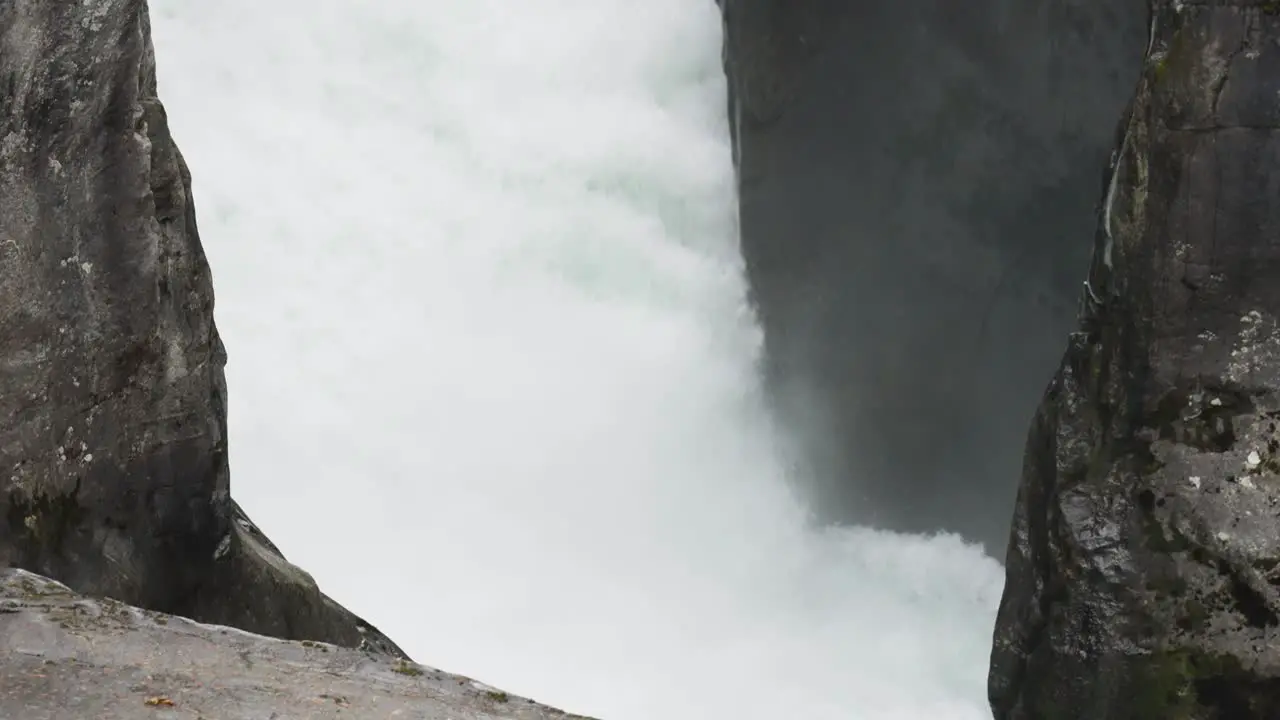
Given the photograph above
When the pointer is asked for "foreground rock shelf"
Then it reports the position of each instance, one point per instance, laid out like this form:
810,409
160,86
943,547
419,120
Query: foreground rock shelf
68,657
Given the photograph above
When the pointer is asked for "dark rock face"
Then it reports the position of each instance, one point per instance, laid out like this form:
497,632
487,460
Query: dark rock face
1144,564
918,180
113,454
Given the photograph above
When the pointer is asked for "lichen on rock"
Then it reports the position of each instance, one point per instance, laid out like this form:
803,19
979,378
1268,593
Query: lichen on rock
1143,570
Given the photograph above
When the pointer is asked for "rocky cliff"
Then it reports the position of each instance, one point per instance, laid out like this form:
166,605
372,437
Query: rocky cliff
113,450
916,178
1144,565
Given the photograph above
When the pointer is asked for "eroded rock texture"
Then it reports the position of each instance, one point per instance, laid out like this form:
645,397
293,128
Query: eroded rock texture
1144,565
68,657
917,183
113,454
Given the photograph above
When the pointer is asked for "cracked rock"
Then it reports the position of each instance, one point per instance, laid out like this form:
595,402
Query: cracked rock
1143,570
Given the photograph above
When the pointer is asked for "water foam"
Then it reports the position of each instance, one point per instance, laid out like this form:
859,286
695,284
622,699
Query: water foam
493,372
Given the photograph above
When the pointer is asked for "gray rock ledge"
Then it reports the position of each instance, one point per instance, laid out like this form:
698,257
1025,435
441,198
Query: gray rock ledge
68,657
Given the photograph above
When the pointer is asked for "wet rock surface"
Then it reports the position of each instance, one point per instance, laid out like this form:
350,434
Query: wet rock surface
917,186
1143,571
67,657
113,450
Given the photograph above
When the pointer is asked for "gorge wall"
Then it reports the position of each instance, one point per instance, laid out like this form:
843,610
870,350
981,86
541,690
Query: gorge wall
918,182
1143,576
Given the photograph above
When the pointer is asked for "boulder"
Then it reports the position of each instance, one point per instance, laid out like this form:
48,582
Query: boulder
68,657
113,443
1143,569
915,181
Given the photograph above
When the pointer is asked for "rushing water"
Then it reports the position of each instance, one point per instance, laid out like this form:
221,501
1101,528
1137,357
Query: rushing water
493,374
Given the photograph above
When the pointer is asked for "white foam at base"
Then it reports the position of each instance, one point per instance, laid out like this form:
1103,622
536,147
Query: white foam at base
492,371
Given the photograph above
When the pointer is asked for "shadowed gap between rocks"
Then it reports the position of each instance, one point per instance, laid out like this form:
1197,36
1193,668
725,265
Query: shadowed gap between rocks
918,185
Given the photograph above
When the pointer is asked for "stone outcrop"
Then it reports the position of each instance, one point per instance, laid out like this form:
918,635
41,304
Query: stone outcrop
113,444
1143,570
915,180
67,657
